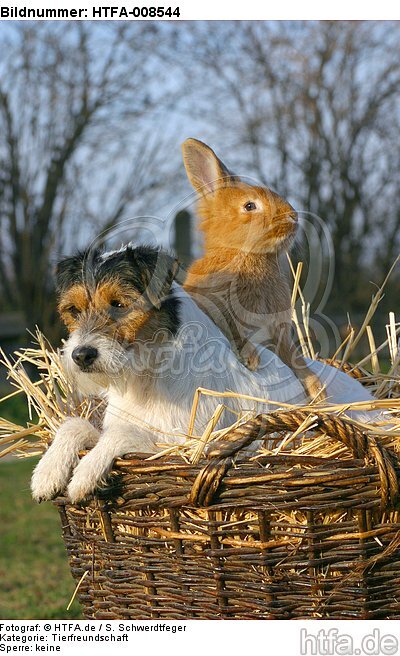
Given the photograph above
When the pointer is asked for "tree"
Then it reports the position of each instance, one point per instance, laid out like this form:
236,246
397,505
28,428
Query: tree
77,146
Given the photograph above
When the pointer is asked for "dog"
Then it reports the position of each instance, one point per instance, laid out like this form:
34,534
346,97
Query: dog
140,341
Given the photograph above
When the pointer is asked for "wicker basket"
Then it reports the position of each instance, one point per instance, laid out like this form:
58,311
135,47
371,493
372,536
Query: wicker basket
280,537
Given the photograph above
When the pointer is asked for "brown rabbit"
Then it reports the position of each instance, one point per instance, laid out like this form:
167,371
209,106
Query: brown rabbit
241,282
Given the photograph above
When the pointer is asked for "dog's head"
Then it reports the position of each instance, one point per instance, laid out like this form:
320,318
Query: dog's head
109,302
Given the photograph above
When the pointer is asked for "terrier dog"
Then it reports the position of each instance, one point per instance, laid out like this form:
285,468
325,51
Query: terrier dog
138,339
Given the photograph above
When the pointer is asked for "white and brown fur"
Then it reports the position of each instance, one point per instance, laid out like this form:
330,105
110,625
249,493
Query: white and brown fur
242,279
140,341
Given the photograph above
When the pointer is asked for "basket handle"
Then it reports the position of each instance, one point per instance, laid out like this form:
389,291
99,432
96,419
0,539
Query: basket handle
361,445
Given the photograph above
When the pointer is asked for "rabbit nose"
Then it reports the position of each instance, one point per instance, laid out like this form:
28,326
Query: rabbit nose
84,356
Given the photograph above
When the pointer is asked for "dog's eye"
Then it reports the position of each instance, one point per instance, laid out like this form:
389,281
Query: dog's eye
73,310
116,304
250,206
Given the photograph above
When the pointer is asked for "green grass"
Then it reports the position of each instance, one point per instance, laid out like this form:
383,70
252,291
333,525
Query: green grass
15,409
35,579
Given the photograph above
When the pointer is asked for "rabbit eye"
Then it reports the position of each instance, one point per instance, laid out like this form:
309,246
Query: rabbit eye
250,206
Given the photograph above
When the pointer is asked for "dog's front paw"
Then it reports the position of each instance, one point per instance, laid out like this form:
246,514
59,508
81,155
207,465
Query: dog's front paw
53,472
79,488
49,478
86,478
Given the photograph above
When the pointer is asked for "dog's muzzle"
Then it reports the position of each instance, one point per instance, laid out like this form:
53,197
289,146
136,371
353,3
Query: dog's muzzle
84,356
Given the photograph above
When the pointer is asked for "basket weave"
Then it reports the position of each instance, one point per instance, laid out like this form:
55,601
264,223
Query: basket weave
283,537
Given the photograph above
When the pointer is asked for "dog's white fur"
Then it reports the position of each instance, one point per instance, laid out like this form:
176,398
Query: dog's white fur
137,399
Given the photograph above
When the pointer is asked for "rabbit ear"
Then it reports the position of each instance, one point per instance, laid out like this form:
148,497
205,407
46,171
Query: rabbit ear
205,171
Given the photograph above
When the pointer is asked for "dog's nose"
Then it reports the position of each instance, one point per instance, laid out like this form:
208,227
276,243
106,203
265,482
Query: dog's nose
84,355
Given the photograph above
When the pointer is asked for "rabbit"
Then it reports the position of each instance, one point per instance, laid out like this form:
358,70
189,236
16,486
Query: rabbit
241,281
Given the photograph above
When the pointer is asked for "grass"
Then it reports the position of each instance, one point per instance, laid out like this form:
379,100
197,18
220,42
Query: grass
14,409
35,579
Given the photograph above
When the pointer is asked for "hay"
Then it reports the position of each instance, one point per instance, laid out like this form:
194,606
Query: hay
50,399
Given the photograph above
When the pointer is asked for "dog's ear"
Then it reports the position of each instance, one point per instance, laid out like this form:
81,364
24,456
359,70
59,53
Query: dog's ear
68,272
75,269
204,169
158,270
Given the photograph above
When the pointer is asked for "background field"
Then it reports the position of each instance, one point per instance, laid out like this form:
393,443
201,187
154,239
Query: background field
35,579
